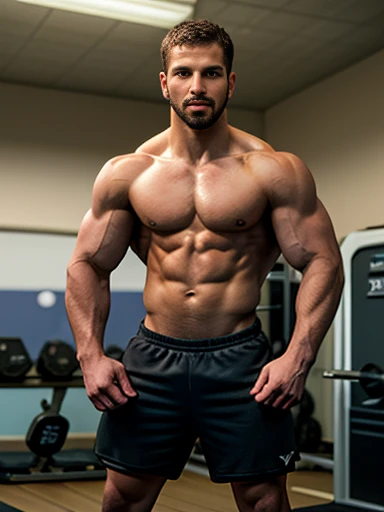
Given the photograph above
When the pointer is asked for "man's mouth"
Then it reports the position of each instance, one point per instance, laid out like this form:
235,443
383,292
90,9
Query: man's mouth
198,102
197,105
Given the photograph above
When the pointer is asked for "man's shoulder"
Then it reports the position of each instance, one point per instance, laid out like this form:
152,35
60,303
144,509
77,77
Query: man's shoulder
114,180
277,162
280,174
127,166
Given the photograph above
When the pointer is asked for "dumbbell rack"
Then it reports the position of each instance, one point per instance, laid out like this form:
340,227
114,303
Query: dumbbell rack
43,469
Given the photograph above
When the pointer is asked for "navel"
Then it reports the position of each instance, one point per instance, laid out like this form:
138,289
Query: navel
190,293
240,222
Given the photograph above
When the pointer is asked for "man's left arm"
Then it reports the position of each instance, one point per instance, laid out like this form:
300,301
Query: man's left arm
307,240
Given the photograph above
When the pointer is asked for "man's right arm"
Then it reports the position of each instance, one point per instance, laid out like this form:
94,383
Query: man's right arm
102,242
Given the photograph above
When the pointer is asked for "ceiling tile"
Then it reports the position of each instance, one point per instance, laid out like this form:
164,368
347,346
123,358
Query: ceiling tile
327,59
138,35
327,30
11,11
365,34
285,22
65,53
255,40
294,48
33,71
270,4
69,29
20,28
92,79
75,23
326,8
209,9
360,11
239,14
377,21
105,60
10,42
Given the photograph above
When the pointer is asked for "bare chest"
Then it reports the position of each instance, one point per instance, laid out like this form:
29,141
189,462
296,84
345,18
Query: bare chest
223,197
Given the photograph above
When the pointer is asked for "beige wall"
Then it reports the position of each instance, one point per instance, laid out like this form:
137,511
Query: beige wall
53,143
337,127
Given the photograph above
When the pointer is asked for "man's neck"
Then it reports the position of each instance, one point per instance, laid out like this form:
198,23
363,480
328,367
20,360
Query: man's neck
199,146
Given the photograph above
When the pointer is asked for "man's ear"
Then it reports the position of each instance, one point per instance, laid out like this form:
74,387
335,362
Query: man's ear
163,83
231,83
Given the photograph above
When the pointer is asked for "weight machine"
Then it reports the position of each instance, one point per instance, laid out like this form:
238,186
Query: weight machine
359,409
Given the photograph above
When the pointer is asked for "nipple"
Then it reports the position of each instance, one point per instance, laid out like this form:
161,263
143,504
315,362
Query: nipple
240,222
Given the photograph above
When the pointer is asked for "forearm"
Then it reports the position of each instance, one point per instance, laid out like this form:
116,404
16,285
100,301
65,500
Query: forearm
316,304
88,302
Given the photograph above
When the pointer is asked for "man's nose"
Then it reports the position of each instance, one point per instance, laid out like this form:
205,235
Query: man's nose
197,85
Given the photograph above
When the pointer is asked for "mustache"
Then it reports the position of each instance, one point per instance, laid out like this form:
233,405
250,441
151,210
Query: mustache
206,99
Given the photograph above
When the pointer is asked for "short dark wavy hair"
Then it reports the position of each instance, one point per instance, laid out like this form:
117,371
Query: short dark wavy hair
197,33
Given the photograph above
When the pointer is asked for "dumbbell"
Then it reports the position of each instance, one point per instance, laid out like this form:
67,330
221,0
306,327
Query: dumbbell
57,361
14,360
48,430
371,378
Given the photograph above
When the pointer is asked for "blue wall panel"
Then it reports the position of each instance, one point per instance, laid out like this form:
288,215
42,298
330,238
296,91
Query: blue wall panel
22,317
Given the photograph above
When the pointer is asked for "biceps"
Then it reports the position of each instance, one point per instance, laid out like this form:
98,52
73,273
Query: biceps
304,237
103,241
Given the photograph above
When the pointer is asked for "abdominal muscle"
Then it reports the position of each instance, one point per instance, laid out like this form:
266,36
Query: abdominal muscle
205,285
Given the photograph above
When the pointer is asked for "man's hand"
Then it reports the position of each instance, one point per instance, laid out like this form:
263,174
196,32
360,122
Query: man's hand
106,383
280,383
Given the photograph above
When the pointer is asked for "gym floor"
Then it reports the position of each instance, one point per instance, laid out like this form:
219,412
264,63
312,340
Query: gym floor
191,493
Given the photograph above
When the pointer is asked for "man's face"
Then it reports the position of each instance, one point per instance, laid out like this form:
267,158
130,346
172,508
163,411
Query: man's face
197,85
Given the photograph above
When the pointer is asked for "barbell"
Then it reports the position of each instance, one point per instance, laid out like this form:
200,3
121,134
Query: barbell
370,377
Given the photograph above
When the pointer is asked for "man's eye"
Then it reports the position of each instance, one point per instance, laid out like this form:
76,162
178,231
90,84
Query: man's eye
212,73
182,74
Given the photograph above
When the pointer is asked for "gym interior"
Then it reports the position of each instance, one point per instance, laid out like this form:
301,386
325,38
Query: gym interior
77,89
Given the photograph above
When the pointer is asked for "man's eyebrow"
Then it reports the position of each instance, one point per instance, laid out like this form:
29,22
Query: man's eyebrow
188,68
214,68
181,68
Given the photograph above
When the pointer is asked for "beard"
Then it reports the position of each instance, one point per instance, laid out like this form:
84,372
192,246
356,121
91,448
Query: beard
199,120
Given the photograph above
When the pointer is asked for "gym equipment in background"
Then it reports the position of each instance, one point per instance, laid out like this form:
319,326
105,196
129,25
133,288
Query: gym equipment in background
371,378
359,418
14,359
307,429
48,430
57,360
45,438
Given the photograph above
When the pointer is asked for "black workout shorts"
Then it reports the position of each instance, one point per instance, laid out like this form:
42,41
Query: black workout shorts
189,389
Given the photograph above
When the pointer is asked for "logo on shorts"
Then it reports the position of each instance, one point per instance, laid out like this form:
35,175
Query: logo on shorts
287,458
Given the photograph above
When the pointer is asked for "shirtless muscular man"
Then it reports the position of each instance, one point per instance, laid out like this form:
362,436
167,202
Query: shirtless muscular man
208,208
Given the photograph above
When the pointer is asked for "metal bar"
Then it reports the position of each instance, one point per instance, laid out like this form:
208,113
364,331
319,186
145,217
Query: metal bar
352,375
267,308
